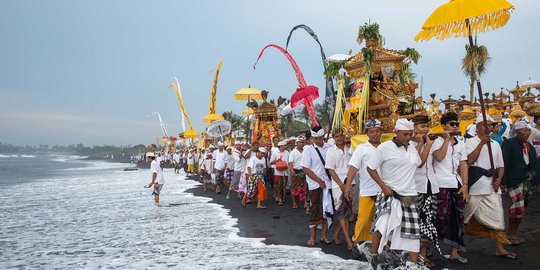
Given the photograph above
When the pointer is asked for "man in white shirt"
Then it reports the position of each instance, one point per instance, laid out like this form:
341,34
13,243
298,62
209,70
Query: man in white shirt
426,186
280,174
508,121
158,180
451,170
484,213
256,169
220,157
298,185
176,160
318,184
238,168
191,162
229,168
368,187
396,216
337,163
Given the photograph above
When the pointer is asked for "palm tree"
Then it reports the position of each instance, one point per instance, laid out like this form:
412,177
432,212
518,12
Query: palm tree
474,64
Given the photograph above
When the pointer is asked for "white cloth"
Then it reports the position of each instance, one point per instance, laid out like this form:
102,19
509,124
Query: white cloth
176,158
425,173
277,156
446,169
389,225
220,157
257,165
155,168
404,124
295,157
506,133
397,166
361,154
312,161
239,161
208,165
483,185
487,210
471,130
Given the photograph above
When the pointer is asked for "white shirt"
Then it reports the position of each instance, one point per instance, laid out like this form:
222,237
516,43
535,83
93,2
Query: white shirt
207,164
368,186
191,159
256,165
239,161
483,185
280,155
221,159
425,173
338,160
397,166
155,168
312,161
446,169
295,157
230,162
176,157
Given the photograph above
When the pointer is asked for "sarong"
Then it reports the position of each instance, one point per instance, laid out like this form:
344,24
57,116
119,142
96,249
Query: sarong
190,168
316,207
449,222
517,209
484,217
428,213
235,181
219,177
297,186
393,225
242,186
229,176
344,210
366,210
280,182
256,187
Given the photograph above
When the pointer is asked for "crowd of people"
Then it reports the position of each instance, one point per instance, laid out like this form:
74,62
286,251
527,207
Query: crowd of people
413,193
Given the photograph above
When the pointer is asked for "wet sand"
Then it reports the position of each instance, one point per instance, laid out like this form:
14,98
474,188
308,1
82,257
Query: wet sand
286,226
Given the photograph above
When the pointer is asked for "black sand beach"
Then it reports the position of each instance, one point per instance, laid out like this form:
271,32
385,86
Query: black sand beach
286,226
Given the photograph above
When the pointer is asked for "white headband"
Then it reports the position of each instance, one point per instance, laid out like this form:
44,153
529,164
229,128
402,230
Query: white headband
319,133
404,124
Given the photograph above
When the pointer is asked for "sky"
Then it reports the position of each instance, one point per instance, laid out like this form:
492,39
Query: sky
92,72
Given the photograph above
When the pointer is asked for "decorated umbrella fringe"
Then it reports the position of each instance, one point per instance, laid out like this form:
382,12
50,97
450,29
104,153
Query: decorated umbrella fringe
338,110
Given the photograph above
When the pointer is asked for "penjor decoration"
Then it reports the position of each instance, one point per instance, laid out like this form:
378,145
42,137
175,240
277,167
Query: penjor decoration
330,93
305,94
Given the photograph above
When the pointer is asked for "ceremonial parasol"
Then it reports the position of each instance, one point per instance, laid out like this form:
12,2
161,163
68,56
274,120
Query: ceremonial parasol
248,94
530,84
212,117
190,133
219,128
248,111
464,18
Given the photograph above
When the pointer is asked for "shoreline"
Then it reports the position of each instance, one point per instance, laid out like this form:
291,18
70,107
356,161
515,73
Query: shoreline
283,225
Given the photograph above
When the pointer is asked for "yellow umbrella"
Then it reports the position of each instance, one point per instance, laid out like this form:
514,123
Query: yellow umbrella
209,118
464,18
248,94
248,111
191,133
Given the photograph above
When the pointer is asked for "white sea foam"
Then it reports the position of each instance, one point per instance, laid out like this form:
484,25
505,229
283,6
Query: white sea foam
107,220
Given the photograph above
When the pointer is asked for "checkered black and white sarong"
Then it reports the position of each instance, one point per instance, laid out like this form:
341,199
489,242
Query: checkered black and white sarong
517,196
428,212
410,220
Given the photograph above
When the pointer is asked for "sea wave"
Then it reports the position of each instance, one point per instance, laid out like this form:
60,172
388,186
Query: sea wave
16,156
107,220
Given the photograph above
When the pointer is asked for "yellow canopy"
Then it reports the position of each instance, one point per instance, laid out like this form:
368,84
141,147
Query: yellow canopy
248,111
452,19
191,133
247,94
209,118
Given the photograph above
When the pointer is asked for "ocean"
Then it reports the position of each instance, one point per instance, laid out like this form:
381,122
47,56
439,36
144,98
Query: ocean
63,212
